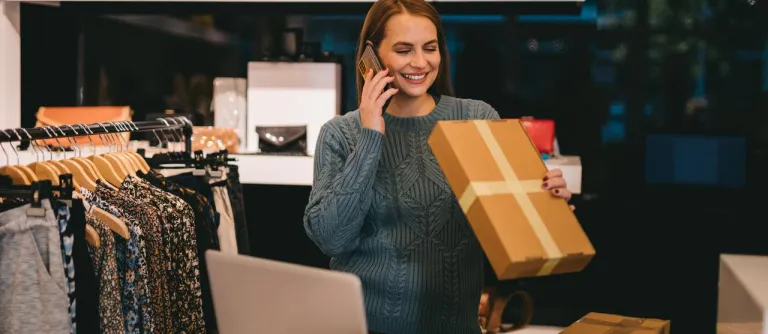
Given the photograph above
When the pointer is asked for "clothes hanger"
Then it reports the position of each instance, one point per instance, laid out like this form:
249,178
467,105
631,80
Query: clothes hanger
144,167
114,153
67,192
115,224
92,237
81,178
106,140
85,164
42,169
108,168
123,149
117,154
138,161
17,176
61,168
107,181
28,172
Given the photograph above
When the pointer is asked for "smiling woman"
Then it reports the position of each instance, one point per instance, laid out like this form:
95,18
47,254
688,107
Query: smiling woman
380,205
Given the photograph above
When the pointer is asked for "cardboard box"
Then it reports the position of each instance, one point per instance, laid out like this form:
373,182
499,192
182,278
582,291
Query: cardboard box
601,323
496,173
742,305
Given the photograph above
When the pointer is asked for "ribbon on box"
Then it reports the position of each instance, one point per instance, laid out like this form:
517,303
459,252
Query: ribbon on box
520,189
625,326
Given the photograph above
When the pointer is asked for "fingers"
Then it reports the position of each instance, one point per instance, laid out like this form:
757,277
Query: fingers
573,207
385,96
562,192
553,183
367,87
553,174
378,83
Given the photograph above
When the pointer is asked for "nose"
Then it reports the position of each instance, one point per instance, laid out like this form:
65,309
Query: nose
418,60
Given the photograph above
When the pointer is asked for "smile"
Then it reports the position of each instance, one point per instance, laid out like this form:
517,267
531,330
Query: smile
414,77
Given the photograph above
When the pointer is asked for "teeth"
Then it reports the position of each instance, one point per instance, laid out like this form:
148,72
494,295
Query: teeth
414,77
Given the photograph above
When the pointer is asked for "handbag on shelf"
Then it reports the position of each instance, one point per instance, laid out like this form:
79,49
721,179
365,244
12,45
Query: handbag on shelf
541,132
282,140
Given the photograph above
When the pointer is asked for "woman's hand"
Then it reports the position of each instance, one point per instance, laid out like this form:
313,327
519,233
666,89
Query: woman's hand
373,99
555,183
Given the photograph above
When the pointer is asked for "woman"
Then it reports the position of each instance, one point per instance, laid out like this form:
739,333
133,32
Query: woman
380,205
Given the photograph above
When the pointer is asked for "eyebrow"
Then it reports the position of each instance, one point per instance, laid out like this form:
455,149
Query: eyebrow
434,41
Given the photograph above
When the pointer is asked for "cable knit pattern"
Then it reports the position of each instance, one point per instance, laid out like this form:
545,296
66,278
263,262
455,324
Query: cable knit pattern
382,209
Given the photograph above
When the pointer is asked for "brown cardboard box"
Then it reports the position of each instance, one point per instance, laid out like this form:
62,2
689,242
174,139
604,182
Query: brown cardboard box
496,173
601,323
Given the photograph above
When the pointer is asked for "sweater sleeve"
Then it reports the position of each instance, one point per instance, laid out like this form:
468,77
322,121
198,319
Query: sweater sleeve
342,189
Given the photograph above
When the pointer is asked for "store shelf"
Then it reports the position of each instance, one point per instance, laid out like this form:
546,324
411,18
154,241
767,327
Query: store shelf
298,171
275,169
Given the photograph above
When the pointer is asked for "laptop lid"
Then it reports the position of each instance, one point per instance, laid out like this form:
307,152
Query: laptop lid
253,295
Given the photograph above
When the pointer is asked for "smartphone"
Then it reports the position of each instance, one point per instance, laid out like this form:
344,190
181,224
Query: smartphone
369,60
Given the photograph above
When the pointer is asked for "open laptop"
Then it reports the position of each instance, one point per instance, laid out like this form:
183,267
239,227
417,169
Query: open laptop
254,296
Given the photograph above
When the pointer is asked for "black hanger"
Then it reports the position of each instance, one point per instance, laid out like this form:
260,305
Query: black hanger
34,193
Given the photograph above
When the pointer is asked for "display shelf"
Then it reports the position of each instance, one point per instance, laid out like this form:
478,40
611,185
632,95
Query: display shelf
275,169
298,170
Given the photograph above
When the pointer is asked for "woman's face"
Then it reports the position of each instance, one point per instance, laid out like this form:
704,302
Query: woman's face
410,52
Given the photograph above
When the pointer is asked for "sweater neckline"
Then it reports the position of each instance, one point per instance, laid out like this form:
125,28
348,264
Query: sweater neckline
425,122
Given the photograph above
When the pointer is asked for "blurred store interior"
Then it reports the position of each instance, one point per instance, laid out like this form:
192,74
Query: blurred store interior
665,101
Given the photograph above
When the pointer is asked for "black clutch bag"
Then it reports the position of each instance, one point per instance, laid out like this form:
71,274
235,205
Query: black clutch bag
282,140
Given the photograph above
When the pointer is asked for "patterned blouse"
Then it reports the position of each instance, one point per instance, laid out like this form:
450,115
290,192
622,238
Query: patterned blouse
131,265
105,267
207,237
180,251
149,219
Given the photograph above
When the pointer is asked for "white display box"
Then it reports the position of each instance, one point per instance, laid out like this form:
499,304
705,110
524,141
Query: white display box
743,295
290,94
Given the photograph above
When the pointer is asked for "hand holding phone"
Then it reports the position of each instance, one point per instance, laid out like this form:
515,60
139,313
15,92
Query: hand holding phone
376,90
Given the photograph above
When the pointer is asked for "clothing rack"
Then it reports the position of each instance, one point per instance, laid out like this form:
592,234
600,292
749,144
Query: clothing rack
76,130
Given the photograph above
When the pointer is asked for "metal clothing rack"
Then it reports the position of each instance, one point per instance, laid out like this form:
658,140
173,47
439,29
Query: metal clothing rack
76,130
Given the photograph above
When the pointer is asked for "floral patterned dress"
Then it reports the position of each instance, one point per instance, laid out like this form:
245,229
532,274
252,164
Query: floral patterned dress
105,267
180,252
131,263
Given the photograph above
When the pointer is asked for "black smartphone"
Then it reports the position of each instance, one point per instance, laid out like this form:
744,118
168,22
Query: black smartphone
369,60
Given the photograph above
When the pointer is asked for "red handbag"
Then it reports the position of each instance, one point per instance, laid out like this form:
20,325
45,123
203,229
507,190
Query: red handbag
541,132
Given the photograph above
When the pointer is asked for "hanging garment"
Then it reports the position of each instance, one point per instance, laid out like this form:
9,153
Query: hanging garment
87,293
205,230
67,239
181,253
33,297
105,266
131,268
227,234
198,184
149,219
235,190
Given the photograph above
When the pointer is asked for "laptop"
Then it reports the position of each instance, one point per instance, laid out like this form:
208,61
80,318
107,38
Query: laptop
253,296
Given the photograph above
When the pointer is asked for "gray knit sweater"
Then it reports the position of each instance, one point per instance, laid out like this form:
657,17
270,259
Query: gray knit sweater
381,208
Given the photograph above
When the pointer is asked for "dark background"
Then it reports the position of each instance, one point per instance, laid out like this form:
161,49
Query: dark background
665,101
